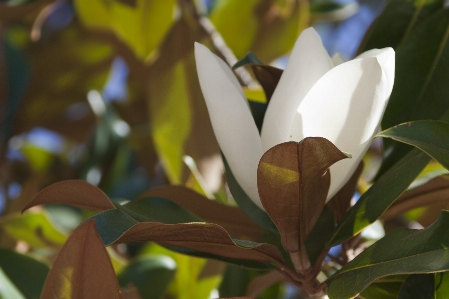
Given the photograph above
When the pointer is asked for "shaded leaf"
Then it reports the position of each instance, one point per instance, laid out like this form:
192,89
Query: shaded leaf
321,232
230,218
73,192
35,229
434,191
393,26
400,252
7,288
374,202
432,286
430,136
340,202
420,92
26,274
149,274
384,290
82,269
293,181
246,204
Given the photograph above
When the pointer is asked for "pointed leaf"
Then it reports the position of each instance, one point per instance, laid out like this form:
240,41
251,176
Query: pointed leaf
293,182
430,136
82,269
230,218
373,203
73,192
400,252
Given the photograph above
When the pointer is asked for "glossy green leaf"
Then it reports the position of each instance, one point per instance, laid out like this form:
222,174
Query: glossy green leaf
149,274
419,92
430,136
246,204
7,288
34,228
380,196
393,26
27,274
402,251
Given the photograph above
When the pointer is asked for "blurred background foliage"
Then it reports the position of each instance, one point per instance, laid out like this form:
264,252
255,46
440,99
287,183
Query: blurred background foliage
107,91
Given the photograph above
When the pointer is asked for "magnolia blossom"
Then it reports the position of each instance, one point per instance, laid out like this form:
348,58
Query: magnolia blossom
317,96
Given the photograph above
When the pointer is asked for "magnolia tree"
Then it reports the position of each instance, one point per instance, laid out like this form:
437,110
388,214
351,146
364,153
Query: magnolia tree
316,209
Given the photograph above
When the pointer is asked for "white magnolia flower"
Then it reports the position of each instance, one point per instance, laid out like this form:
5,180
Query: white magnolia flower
317,96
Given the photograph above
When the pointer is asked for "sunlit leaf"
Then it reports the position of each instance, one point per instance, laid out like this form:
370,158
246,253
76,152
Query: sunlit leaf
82,269
131,23
430,136
400,252
36,229
373,203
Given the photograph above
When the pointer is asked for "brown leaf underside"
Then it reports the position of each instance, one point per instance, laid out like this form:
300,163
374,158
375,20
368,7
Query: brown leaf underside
231,219
293,182
82,269
73,192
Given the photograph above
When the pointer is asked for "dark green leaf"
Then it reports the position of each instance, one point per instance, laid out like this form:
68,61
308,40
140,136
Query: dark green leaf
402,251
26,273
425,286
235,281
396,21
430,136
246,204
380,196
384,290
249,59
420,90
150,274
316,242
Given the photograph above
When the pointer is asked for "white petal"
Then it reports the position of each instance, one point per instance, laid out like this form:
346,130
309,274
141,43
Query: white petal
231,119
337,60
345,106
386,58
308,62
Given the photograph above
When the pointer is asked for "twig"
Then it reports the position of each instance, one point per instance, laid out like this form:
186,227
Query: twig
217,41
